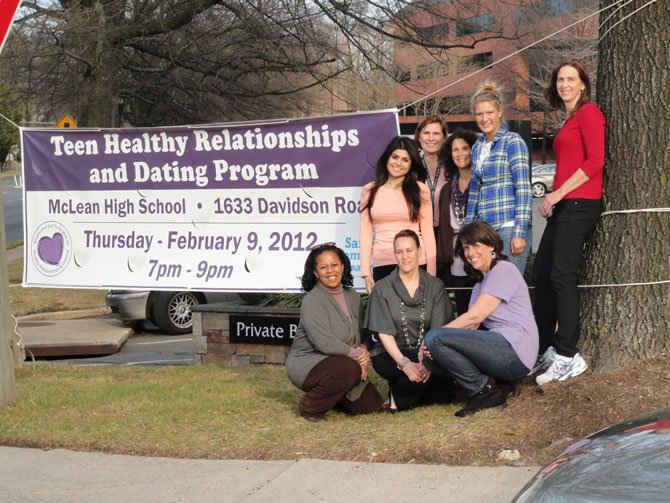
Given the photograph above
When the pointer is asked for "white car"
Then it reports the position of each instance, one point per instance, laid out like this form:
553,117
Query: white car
542,179
169,311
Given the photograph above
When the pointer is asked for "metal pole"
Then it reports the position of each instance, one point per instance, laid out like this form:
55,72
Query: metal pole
7,382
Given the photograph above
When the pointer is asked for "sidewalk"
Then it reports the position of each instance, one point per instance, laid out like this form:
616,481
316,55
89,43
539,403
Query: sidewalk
32,475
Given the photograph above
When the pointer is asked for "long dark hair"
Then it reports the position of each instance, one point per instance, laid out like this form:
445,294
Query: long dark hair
551,93
416,173
309,280
469,137
479,232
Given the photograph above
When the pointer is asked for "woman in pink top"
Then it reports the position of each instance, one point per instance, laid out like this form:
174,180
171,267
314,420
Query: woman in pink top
571,210
397,199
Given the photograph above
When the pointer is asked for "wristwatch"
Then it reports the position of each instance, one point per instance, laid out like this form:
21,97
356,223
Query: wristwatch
402,362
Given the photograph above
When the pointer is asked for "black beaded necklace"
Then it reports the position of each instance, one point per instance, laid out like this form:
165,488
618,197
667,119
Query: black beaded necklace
405,329
459,201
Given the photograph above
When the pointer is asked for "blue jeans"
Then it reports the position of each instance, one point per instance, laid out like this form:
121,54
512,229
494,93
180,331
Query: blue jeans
469,356
519,261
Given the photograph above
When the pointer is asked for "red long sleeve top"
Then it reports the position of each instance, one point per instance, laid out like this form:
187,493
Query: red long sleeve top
580,144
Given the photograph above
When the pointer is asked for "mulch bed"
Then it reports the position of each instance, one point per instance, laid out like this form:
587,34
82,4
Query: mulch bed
557,414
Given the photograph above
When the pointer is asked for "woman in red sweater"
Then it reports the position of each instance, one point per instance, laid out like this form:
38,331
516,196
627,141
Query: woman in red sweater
397,199
571,210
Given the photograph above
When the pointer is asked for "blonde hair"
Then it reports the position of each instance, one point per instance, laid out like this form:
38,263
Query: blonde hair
488,92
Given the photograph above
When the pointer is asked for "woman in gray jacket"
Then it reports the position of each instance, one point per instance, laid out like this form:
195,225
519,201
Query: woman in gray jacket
327,359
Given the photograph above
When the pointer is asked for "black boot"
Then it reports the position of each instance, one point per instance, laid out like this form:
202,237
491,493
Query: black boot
491,395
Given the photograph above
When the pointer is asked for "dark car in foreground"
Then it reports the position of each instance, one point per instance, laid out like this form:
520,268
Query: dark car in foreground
629,461
542,179
169,311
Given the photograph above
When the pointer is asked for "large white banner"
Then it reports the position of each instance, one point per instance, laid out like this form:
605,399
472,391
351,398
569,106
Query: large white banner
233,207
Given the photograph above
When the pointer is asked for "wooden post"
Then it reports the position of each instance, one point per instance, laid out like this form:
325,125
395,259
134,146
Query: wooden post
7,382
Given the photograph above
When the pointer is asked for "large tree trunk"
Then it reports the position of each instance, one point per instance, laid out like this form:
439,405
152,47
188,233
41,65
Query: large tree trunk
101,95
101,77
620,324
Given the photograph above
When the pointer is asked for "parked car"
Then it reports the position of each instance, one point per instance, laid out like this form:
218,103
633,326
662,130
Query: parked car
542,179
629,461
169,311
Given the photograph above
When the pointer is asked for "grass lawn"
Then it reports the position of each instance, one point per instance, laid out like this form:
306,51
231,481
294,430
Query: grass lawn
41,300
250,413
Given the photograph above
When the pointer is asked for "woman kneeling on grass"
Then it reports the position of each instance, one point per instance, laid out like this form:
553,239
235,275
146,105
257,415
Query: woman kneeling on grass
403,307
327,359
486,363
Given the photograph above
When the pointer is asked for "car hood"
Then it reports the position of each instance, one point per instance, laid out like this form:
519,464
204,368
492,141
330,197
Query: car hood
629,461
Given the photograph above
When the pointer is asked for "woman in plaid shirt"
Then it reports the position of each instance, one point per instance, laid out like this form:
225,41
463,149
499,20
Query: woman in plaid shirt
500,192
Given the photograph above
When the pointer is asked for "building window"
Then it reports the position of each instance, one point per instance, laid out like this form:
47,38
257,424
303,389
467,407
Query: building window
476,24
545,8
433,33
455,105
474,62
559,7
402,75
432,70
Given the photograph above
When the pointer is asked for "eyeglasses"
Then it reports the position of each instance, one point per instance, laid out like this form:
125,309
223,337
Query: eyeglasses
321,245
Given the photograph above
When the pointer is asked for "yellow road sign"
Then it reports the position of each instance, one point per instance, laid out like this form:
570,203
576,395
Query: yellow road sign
66,121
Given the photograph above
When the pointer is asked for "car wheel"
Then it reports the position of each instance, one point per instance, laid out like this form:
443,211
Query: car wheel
172,311
539,190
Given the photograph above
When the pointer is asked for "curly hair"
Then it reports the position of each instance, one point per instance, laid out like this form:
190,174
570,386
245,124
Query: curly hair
469,137
479,232
309,280
416,173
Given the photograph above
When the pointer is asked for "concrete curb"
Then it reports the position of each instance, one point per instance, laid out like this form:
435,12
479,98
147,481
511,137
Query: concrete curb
66,315
93,336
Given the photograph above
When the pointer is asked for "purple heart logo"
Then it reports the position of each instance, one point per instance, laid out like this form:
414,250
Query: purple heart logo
50,249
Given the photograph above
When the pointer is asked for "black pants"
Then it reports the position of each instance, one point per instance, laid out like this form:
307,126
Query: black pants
327,384
408,394
556,273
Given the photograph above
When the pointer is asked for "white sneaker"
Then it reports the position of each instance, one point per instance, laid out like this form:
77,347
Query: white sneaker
563,368
544,360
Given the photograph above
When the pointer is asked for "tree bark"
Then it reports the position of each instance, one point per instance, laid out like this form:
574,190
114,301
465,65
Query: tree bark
7,381
622,323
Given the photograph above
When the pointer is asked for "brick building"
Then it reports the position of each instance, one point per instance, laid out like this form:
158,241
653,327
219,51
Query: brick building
481,33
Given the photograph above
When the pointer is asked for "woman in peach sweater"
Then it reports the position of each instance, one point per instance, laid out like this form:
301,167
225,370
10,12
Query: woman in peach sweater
398,199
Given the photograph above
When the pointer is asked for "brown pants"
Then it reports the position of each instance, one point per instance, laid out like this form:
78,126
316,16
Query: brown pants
327,384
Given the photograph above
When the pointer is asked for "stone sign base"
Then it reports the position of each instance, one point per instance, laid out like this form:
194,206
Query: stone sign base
212,335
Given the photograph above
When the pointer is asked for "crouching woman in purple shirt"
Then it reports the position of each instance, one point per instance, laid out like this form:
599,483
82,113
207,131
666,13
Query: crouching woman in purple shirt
486,363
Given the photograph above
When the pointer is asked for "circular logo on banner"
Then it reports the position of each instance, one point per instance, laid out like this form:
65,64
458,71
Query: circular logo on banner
51,248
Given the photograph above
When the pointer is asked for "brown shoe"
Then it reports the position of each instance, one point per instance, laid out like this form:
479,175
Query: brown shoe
314,418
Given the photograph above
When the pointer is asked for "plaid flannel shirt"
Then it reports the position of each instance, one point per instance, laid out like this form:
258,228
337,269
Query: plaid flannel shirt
500,186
